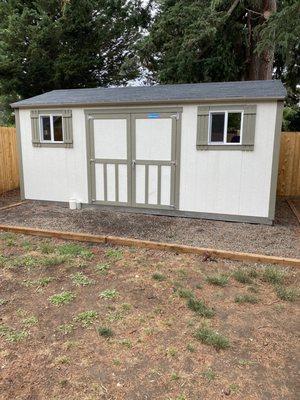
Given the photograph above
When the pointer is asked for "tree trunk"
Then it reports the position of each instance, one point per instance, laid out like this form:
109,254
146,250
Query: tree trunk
260,65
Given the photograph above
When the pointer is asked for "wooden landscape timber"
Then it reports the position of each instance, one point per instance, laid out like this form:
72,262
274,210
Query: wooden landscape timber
147,244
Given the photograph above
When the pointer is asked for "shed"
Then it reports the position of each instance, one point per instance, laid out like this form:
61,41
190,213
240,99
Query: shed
207,150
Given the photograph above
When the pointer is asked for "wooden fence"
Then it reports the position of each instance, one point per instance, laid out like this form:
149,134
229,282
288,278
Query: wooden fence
289,165
9,169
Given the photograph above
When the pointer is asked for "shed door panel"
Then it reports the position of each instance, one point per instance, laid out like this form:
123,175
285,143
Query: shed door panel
110,157
154,160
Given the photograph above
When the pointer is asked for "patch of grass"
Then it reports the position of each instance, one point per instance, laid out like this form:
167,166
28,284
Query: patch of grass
105,331
3,302
86,318
116,362
41,282
12,335
54,260
233,387
171,351
81,280
212,338
114,254
66,328
209,374
102,268
246,298
62,360
287,294
158,277
62,298
109,294
175,376
182,273
199,307
29,321
244,363
242,275
126,343
218,279
273,275
9,238
185,293
47,247
75,250
190,348
27,261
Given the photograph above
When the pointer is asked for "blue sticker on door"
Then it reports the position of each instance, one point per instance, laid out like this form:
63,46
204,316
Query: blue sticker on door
153,115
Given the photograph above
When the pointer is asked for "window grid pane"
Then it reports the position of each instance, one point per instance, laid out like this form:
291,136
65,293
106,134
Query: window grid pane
217,127
57,128
234,127
46,128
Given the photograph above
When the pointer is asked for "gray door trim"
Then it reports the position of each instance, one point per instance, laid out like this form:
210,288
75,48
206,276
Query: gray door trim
20,158
130,115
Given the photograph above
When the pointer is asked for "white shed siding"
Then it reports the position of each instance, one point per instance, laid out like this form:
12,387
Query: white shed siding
227,182
55,174
211,181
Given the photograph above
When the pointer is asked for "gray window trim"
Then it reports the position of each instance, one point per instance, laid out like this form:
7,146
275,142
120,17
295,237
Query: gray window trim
37,140
204,121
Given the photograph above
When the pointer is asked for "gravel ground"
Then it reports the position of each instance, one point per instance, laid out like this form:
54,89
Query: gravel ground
282,239
10,197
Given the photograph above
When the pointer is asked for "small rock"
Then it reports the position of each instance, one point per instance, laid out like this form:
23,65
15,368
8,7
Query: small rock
227,391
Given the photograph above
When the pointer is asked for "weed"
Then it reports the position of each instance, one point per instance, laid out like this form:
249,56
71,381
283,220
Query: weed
185,293
12,335
218,280
63,382
81,280
190,348
209,374
115,316
62,360
114,254
86,318
105,331
175,376
199,307
233,387
244,363
9,238
66,328
75,250
41,282
62,298
210,337
29,321
287,294
27,246
126,306
126,343
116,362
242,275
246,298
3,302
171,351
182,273
273,275
47,247
199,286
102,268
159,277
109,294
54,260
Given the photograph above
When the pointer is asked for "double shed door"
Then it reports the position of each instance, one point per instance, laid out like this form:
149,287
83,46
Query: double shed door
134,159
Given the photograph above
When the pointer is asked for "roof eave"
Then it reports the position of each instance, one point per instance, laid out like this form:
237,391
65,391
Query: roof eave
146,102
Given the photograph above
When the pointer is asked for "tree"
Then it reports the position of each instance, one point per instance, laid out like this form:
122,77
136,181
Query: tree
194,41
54,44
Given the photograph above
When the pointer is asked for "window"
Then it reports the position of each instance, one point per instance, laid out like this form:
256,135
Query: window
225,127
51,128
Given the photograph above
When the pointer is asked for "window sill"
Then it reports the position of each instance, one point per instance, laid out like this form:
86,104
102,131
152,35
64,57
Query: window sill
64,145
224,147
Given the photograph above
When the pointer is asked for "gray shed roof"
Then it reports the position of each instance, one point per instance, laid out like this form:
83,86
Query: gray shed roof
179,93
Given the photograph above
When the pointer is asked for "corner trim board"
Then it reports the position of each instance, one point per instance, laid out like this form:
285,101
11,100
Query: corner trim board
20,158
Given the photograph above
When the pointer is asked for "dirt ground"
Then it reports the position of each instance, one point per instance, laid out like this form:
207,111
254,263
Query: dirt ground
282,239
96,322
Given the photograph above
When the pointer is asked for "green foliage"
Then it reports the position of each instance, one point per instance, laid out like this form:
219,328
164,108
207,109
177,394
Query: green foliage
105,331
273,275
212,338
81,280
185,293
114,254
109,294
66,328
41,282
244,275
75,250
159,277
86,318
291,119
209,374
62,298
12,335
246,298
218,280
287,294
55,44
102,268
199,307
